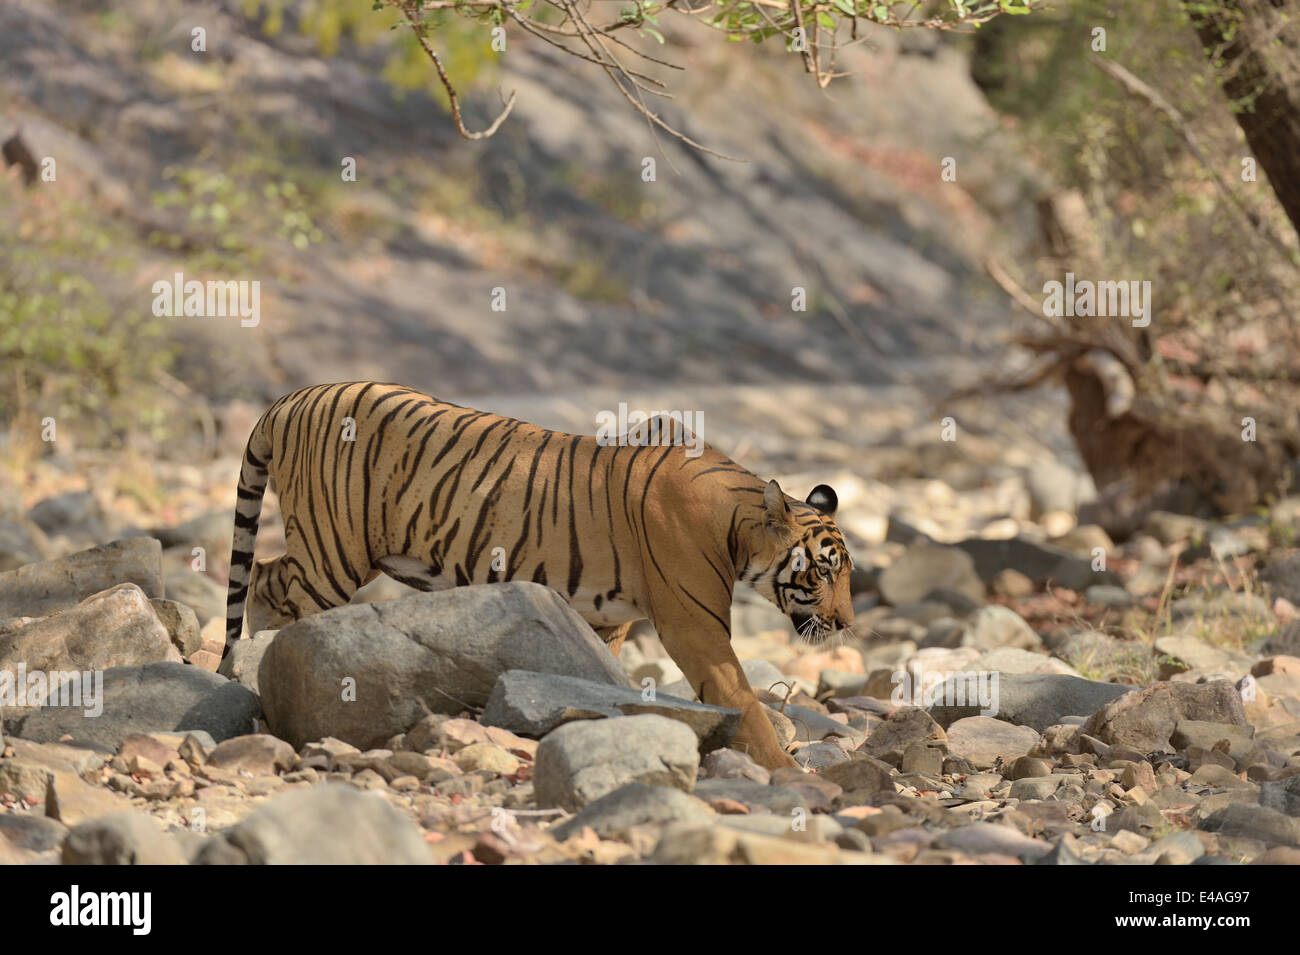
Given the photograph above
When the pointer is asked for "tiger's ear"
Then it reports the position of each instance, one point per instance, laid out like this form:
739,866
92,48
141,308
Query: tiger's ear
777,518
823,498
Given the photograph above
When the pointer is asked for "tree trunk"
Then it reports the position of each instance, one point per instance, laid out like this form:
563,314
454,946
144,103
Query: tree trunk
1255,47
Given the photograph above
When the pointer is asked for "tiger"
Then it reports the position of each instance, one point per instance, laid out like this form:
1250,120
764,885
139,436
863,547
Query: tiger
379,478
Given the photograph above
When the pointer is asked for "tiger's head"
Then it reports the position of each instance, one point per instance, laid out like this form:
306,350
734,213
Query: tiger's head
800,562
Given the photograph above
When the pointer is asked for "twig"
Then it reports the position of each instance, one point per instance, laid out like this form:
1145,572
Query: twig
417,27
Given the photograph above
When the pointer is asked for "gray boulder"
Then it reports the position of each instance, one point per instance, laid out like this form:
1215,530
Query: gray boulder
117,627
1028,699
580,762
156,697
1145,719
365,673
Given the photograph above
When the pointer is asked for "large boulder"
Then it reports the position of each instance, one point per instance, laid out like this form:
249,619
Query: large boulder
365,673
1029,699
1039,562
115,628
156,697
38,589
1145,719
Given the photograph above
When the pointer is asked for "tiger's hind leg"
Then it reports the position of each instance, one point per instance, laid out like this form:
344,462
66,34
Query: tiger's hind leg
281,590
613,637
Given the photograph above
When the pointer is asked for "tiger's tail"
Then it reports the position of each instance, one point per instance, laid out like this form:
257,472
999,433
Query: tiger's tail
248,508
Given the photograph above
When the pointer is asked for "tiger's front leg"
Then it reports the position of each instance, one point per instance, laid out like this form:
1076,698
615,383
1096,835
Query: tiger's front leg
706,657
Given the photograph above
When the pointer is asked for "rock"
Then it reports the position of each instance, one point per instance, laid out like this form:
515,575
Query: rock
1282,795
140,746
996,626
925,566
181,624
1094,652
72,800
485,756
321,825
1012,583
1283,578
1241,739
1084,540
31,833
1035,787
840,683
24,779
688,844
925,758
415,655
812,725
1286,642
71,509
580,762
904,727
1033,700
21,541
245,657
765,675
1108,595
193,588
754,796
1254,822
862,774
121,838
38,589
977,838
1145,719
733,764
1019,662
1279,664
149,698
536,703
1039,562
612,815
1177,848
783,725
983,740
257,753
117,627
1189,653
809,666
1169,528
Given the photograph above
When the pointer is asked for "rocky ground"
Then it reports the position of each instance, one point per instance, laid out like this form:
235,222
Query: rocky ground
1132,703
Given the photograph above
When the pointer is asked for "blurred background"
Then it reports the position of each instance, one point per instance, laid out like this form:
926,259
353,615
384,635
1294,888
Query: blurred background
923,290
